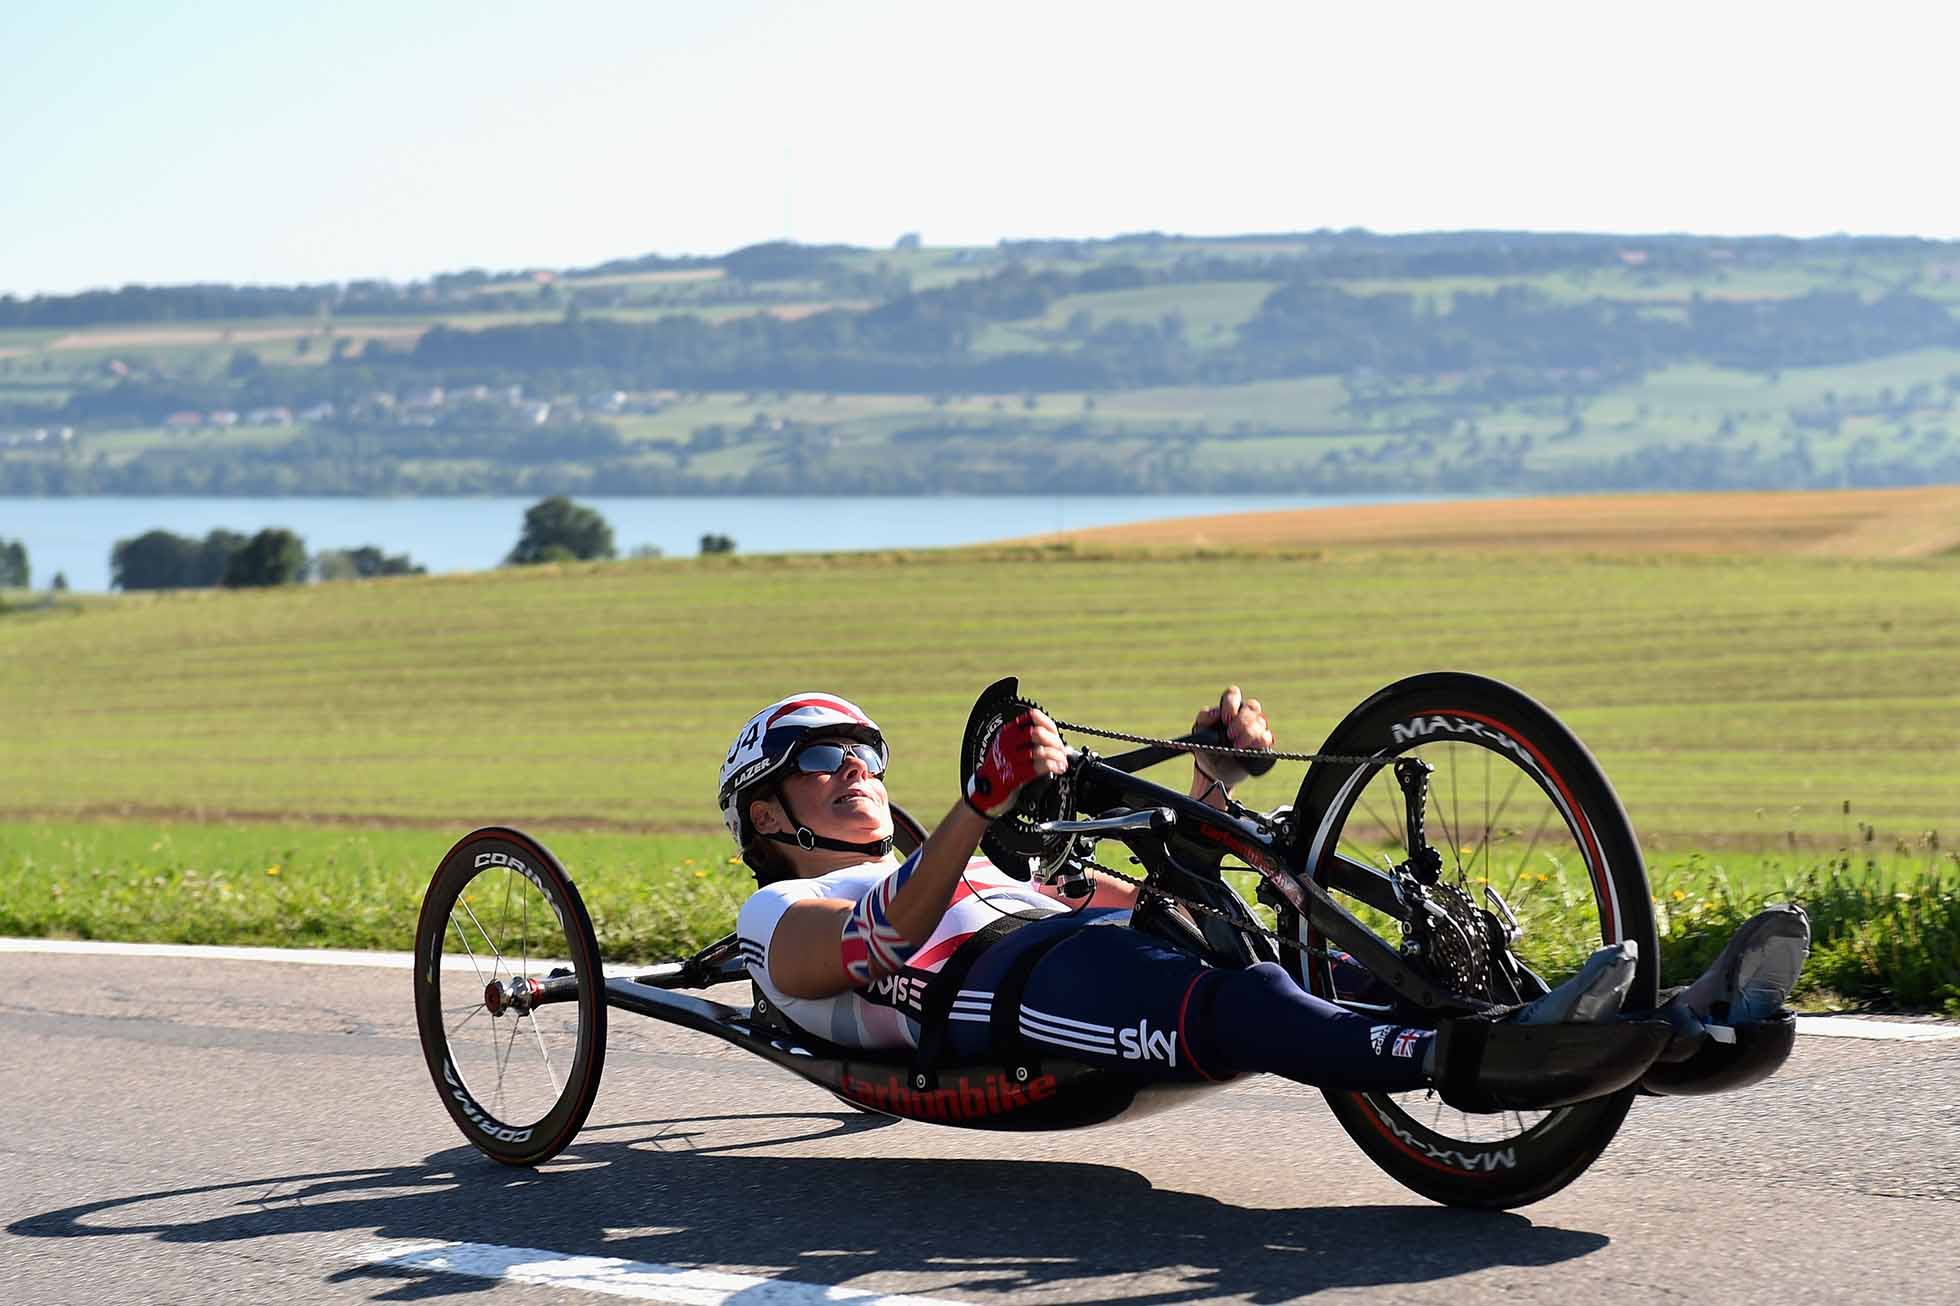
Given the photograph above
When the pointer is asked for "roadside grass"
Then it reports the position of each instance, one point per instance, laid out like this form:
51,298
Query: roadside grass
1886,920
651,897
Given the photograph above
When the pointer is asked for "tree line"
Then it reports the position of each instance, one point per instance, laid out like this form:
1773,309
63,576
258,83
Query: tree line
162,560
1308,256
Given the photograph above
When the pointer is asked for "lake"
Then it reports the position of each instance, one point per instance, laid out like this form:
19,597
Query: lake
74,536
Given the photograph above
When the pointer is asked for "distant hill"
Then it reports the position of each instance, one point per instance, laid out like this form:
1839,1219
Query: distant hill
1328,361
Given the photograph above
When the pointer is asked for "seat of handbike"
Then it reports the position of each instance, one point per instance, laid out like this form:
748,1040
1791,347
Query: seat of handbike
1034,1093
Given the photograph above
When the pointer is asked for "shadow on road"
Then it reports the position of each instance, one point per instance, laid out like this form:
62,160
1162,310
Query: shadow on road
693,1191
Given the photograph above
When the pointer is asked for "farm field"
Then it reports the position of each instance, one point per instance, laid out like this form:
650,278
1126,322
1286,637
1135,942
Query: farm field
1732,699
1910,523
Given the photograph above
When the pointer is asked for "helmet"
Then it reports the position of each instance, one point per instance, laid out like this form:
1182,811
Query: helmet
762,754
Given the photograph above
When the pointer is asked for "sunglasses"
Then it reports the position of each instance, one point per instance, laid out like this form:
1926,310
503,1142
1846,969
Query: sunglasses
822,759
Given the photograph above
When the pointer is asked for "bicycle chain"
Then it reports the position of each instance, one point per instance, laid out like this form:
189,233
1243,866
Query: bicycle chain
1185,746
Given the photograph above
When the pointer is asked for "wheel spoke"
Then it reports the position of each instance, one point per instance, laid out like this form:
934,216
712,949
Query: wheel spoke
466,1020
488,942
464,939
503,922
550,1071
1503,804
1450,828
1525,862
1401,839
1456,810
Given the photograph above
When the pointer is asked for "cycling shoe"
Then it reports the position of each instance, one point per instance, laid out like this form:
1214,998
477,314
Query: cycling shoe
1748,982
1594,994
1730,1028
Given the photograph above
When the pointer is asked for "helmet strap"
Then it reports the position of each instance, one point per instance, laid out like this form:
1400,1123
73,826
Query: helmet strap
808,839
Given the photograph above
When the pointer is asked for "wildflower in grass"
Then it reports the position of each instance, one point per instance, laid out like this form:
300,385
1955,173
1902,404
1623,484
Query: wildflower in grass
272,869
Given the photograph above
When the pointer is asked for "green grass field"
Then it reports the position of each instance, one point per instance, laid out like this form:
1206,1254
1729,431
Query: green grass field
287,766
1732,700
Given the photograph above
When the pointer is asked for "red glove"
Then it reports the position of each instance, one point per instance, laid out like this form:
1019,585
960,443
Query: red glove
1009,764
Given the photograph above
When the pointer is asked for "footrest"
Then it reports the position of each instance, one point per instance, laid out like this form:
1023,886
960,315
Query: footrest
1729,1057
1500,1066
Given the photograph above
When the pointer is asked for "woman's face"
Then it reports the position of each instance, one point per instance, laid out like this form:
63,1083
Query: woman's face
848,803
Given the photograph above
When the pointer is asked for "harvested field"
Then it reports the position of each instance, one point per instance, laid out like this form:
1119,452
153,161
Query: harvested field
1920,522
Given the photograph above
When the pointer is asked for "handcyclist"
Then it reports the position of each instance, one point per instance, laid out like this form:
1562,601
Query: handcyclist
847,941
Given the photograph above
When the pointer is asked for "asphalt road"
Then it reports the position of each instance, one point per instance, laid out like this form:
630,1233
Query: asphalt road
191,1131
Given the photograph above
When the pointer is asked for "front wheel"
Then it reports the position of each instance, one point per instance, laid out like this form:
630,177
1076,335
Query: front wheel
1522,816
510,996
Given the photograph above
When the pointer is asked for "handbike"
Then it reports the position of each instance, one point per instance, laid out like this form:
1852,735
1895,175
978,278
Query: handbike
1452,851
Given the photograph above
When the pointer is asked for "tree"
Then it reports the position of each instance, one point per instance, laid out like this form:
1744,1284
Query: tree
13,565
154,560
559,524
275,556
363,563
713,543
59,584
212,558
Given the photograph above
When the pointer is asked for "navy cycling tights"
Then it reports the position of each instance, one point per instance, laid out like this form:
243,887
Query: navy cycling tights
1113,997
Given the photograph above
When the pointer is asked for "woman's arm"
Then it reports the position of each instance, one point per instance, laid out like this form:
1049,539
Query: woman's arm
806,957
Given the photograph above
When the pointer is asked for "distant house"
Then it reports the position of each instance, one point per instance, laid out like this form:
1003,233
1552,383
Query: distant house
429,398
320,412
185,421
223,417
269,417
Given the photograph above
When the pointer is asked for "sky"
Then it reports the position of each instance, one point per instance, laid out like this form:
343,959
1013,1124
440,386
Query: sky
265,143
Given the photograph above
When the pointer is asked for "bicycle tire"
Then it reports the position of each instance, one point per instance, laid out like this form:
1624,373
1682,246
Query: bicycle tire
551,1105
1435,713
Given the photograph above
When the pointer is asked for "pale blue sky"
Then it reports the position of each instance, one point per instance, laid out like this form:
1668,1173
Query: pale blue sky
253,142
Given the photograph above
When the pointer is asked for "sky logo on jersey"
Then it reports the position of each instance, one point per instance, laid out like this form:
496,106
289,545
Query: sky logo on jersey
1146,1044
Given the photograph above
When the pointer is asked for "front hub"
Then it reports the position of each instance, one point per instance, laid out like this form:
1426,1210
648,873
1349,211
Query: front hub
514,995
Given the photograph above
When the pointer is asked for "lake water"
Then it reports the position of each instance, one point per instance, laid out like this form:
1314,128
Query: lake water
74,536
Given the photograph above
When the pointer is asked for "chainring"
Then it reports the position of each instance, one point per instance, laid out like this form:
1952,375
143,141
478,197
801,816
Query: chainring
1012,843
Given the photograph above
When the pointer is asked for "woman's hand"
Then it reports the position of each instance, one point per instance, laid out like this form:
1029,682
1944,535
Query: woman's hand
1024,750
1245,726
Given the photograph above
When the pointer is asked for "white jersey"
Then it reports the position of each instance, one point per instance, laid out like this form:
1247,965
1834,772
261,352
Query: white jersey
878,1018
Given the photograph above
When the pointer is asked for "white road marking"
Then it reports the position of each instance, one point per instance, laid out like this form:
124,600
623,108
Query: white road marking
1823,1026
1852,1027
640,1280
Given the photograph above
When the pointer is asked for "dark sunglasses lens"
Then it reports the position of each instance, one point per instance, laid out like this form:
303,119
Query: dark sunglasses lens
822,759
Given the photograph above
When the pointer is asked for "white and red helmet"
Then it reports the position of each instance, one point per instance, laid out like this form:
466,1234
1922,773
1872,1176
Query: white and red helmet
763,750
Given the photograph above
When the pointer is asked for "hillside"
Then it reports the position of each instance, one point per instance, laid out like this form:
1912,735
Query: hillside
1320,362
